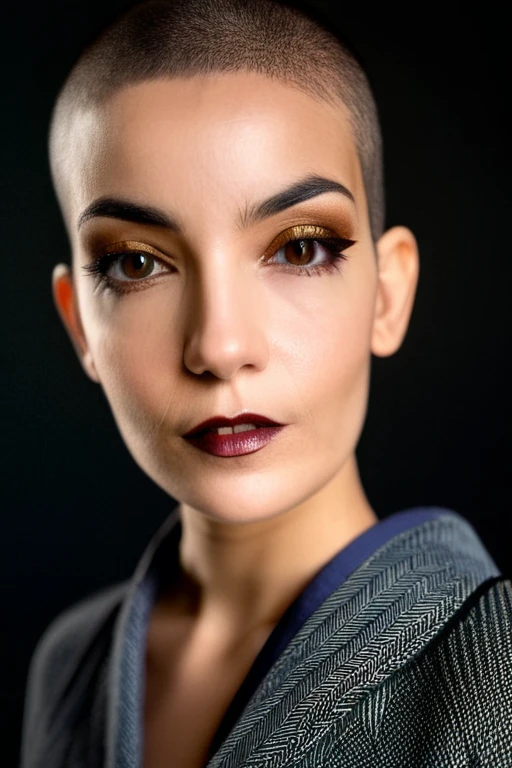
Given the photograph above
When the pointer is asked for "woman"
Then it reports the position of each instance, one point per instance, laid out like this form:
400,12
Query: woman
207,157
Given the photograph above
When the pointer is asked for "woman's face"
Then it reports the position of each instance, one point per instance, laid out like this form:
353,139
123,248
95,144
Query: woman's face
212,313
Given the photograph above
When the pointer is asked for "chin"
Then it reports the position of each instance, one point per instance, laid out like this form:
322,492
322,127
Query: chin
239,502
249,497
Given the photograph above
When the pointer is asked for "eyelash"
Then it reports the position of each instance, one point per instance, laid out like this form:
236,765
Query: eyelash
335,247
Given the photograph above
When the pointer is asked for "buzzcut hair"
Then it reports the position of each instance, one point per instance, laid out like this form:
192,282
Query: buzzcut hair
289,41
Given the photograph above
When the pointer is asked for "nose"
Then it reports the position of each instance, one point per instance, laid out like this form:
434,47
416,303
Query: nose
226,327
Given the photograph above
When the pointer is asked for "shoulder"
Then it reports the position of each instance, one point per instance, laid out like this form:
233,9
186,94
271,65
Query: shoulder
470,673
472,655
69,634
480,632
454,698
73,645
451,703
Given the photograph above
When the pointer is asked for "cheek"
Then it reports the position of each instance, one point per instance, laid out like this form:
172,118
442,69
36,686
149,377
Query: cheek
326,350
136,354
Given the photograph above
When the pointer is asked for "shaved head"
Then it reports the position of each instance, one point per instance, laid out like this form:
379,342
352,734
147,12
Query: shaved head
186,38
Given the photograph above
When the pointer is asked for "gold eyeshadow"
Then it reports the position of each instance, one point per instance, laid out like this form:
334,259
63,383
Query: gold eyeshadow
298,232
131,246
104,254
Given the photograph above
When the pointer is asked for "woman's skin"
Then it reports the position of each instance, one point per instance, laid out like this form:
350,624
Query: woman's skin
217,331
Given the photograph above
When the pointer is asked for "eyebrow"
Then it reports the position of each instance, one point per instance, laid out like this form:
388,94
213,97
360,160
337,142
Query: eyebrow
299,192
114,208
303,190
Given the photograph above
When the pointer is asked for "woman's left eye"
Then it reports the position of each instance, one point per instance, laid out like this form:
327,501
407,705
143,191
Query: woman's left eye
308,254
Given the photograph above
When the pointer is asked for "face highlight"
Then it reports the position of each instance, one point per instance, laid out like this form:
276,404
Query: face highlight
199,296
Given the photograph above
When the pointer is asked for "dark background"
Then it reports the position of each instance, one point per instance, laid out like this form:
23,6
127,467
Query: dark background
77,511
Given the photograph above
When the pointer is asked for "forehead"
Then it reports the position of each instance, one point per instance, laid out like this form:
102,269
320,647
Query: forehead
224,140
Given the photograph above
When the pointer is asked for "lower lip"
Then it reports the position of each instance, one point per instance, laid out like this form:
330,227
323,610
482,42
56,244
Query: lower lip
236,444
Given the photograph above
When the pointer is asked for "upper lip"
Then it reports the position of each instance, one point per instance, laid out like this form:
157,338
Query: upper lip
225,421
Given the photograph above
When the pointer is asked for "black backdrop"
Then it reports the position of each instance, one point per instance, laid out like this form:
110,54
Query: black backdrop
77,511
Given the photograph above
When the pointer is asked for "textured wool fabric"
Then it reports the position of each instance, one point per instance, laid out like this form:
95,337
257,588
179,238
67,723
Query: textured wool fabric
326,580
407,663
450,706
333,686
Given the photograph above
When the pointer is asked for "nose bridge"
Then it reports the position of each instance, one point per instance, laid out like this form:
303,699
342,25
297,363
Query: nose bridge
226,319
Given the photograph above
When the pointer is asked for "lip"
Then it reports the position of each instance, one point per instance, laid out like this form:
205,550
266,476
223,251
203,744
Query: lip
235,444
226,421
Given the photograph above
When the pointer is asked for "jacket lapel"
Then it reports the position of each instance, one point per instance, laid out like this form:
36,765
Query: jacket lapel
374,623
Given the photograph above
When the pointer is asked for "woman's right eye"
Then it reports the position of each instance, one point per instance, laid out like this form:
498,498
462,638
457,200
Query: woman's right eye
133,266
127,267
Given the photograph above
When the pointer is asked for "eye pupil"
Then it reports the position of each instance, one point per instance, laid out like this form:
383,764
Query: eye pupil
137,265
299,251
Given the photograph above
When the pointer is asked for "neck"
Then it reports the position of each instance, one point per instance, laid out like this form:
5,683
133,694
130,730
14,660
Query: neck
242,577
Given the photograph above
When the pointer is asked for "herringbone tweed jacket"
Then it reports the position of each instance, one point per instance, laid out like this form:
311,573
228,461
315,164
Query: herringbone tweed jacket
407,663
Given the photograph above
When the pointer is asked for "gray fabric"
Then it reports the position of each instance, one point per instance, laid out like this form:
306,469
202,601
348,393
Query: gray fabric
449,707
364,633
385,673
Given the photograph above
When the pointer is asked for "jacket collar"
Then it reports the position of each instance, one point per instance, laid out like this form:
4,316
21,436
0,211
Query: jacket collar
387,610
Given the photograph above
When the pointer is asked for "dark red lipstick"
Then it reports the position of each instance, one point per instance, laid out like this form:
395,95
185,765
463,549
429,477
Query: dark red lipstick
206,437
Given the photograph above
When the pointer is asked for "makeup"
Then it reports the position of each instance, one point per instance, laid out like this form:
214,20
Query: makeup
234,435
130,265
235,443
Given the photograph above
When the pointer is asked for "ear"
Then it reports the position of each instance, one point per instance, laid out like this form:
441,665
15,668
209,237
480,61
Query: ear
398,271
65,299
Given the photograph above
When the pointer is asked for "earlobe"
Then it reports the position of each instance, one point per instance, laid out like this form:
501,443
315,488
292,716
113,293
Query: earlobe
398,271
64,296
